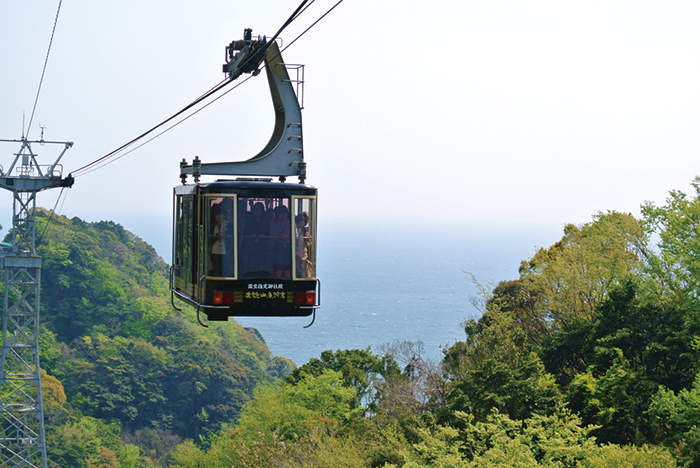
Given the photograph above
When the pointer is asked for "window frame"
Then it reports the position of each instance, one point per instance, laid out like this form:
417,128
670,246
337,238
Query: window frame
206,228
313,208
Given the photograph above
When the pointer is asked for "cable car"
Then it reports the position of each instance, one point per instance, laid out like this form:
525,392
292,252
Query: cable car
246,246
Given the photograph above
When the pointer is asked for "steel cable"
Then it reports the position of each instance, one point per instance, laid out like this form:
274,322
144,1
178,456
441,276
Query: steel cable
46,61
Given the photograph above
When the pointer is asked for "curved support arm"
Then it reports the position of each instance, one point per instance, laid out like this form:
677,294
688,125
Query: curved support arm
284,154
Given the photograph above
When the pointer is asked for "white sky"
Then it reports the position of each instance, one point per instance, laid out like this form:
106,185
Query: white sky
473,112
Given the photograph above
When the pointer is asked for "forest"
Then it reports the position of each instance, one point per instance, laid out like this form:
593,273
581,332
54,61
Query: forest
589,358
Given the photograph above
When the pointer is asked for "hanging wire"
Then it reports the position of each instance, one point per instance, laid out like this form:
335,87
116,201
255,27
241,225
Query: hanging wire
46,61
294,16
53,210
183,110
36,101
112,156
180,112
116,158
312,25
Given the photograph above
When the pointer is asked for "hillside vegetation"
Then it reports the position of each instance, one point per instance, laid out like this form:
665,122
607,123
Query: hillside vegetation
127,376
589,359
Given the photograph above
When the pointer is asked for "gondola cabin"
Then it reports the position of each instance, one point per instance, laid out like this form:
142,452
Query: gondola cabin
246,248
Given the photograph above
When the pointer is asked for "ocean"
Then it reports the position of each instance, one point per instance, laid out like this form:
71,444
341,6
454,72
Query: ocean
398,282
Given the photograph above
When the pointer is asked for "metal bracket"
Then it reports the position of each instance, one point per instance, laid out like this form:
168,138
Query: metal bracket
283,155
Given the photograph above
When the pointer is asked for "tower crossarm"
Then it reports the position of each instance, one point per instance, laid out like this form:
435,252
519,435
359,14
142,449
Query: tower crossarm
27,175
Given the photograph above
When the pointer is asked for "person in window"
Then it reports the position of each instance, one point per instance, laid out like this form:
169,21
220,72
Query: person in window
281,254
303,246
218,246
255,243
226,206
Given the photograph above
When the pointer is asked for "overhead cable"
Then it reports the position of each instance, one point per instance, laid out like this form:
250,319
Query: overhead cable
180,112
53,210
112,156
116,158
46,61
294,16
312,25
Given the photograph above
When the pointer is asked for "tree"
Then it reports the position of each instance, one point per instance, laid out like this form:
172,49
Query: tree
419,389
360,369
84,443
284,425
569,280
120,379
616,401
499,441
630,456
292,410
555,302
676,262
519,389
496,368
656,335
675,421
637,344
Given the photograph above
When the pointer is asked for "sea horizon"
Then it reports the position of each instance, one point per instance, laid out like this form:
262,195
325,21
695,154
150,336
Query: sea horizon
397,282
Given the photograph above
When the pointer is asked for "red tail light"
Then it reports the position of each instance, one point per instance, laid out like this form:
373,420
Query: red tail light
223,297
228,297
307,298
218,297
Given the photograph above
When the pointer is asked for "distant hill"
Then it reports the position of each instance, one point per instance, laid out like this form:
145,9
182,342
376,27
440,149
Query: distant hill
123,355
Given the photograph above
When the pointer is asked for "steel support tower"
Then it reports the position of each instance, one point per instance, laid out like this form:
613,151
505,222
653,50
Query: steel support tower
22,438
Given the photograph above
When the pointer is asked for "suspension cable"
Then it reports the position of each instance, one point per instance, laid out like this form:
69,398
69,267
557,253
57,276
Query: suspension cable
116,158
53,210
46,61
294,16
180,112
111,156
312,25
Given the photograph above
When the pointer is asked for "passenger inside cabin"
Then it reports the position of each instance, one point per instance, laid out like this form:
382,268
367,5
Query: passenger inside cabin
255,246
218,246
303,246
227,210
280,231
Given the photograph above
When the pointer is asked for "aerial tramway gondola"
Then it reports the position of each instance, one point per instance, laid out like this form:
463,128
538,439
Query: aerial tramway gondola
247,246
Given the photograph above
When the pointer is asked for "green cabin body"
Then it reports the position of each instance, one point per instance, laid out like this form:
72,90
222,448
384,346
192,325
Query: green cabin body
245,248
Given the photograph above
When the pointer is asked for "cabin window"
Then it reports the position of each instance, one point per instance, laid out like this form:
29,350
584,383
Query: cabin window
183,245
304,212
264,237
219,236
